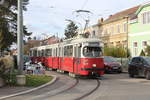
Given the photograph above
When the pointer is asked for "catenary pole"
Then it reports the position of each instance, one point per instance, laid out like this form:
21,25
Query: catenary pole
20,37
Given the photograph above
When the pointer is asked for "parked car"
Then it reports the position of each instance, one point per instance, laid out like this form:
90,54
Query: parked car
112,65
139,66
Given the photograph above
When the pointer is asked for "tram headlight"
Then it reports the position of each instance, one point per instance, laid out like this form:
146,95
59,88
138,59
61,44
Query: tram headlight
94,65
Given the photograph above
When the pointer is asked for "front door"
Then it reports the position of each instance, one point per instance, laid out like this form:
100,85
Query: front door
76,58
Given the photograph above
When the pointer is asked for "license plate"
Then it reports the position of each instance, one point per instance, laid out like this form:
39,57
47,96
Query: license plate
115,67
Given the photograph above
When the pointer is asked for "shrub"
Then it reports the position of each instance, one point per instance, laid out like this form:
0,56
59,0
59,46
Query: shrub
116,52
142,53
147,51
10,77
6,63
6,69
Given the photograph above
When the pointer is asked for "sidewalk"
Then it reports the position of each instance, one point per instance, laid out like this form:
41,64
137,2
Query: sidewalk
8,90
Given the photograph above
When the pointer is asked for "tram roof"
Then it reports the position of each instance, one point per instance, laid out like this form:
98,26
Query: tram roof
76,40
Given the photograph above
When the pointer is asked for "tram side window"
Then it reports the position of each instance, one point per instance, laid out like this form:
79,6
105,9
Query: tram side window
39,53
42,53
49,52
68,51
35,53
62,52
76,51
56,52
59,52
79,51
30,54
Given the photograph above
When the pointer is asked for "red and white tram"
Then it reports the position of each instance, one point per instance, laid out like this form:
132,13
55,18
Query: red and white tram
79,56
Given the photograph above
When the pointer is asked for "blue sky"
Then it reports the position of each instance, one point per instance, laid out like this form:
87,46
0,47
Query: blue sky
48,16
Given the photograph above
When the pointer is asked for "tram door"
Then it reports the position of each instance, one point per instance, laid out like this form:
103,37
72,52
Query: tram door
77,58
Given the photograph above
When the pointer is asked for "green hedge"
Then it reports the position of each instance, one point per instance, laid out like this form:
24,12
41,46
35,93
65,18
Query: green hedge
37,80
116,52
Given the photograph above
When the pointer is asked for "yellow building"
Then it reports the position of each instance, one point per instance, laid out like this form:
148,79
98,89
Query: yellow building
114,30
93,30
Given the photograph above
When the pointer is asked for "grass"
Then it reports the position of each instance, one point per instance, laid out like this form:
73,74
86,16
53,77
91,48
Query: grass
37,80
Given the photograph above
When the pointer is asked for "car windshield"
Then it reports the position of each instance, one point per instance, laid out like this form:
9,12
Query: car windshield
109,59
92,51
148,60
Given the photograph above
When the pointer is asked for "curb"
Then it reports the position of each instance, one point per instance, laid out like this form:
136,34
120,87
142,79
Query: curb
31,90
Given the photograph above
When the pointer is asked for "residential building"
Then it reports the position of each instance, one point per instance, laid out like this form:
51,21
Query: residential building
139,34
50,40
114,30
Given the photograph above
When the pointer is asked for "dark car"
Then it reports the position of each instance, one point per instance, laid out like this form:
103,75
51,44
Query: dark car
139,66
112,65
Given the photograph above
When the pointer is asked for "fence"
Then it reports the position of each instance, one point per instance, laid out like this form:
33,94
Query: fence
124,62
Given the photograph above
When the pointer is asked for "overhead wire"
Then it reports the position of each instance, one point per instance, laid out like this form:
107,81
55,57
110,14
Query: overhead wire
84,4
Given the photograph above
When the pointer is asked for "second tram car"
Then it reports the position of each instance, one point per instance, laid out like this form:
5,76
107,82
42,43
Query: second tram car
79,56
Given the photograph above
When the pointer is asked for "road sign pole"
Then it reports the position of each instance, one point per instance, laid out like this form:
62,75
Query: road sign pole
20,36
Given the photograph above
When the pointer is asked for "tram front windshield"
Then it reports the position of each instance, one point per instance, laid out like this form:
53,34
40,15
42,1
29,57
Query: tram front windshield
92,51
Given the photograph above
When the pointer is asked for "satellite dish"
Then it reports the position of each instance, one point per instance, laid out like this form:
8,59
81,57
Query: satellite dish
1,2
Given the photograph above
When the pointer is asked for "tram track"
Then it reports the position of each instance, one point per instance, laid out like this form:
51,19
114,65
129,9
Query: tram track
50,94
47,95
90,92
67,89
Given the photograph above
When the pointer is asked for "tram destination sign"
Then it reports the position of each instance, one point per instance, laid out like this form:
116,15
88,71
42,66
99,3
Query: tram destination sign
92,44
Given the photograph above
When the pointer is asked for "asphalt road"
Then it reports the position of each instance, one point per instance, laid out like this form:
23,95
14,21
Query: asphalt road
112,87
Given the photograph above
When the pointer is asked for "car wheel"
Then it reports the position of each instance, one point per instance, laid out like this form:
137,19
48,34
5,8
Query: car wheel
148,75
131,75
120,71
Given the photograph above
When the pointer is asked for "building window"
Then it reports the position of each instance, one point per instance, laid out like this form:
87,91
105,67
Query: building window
112,43
135,49
106,32
135,44
112,30
144,43
146,18
118,43
125,27
94,33
118,28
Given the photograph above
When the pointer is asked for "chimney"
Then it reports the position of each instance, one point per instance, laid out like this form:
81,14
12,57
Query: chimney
101,20
110,16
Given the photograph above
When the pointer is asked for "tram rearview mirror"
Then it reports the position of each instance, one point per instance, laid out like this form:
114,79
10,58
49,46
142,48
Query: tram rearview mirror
80,45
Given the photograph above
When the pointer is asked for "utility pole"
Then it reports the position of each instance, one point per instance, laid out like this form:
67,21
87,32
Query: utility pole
127,18
20,36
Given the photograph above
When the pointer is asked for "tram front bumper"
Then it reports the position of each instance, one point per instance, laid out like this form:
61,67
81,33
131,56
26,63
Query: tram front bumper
92,69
